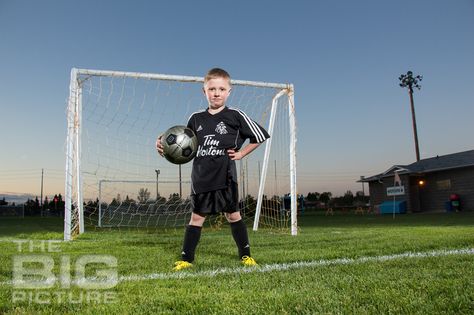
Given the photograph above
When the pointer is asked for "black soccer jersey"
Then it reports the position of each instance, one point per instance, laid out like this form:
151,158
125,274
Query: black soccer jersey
228,129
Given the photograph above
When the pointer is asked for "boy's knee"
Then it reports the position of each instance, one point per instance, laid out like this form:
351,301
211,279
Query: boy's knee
233,217
196,219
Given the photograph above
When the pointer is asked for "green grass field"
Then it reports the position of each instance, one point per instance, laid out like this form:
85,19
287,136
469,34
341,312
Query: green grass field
336,265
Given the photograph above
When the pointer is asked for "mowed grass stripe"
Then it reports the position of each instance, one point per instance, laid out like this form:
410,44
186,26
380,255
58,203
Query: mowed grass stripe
294,265
282,267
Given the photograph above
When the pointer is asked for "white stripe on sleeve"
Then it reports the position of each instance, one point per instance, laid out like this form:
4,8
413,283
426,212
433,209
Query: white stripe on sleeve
257,132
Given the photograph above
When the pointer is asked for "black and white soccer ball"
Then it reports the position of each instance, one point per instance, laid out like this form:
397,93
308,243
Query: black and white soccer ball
180,144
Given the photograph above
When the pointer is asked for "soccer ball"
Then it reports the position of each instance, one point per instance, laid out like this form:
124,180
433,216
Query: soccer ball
180,144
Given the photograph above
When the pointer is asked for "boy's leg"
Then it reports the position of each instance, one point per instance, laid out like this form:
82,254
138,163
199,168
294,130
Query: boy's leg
239,232
192,236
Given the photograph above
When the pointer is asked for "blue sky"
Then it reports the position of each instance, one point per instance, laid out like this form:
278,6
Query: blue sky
344,58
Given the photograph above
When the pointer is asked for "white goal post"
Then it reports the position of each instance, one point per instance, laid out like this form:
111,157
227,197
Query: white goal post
115,178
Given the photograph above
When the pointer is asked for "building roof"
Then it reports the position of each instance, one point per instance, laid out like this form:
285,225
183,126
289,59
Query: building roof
433,164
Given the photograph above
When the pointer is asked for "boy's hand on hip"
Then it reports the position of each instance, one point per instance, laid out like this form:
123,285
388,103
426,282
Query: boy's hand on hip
235,155
238,155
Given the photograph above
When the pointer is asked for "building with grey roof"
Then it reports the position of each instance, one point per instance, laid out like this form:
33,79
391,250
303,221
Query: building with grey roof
428,184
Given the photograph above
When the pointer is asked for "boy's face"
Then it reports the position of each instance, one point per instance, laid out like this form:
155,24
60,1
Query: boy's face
217,91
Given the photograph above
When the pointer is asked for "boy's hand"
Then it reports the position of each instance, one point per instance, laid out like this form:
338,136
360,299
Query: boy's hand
234,155
159,146
238,155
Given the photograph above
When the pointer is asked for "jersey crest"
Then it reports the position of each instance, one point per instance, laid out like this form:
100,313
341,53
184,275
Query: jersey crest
221,128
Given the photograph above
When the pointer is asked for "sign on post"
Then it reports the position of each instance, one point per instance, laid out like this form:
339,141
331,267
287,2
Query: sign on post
396,191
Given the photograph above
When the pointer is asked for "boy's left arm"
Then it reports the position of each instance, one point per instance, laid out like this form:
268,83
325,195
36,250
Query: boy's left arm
237,155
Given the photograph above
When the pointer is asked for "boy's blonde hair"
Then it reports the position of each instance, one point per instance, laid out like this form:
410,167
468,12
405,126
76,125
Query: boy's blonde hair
216,73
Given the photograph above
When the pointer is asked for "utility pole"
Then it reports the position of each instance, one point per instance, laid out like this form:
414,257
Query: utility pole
180,186
247,177
157,191
242,176
259,173
409,81
41,200
276,181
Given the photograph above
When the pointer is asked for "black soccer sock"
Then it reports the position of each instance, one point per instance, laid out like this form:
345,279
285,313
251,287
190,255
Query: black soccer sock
191,240
241,238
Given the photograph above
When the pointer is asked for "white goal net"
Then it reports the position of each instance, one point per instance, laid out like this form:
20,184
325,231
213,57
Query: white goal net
115,178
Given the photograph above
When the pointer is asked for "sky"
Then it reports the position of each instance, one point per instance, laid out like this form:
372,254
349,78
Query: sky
343,57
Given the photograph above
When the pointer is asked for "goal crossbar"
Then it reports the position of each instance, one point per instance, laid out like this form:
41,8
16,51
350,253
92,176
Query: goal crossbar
180,78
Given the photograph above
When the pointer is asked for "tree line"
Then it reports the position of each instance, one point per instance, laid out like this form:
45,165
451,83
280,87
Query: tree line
55,206
33,207
326,199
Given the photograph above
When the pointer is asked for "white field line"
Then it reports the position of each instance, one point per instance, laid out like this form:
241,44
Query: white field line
294,265
285,266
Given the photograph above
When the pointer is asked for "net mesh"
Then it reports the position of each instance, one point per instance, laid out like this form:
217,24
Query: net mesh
124,182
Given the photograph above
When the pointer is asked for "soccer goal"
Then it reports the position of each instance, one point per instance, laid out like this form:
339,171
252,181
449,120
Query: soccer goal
115,178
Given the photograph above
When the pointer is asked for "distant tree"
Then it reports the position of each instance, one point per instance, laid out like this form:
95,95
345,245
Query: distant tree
143,195
160,199
250,200
104,205
61,203
345,201
348,198
3,202
361,199
174,198
313,196
114,202
32,207
92,206
325,197
28,207
276,198
128,201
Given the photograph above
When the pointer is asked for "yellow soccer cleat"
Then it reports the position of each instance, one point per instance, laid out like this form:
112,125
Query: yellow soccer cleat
181,264
248,261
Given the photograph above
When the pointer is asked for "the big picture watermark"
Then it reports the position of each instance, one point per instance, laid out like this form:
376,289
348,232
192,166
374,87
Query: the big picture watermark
35,279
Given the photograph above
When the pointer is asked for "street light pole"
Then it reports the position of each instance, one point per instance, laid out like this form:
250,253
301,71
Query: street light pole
409,81
415,132
157,193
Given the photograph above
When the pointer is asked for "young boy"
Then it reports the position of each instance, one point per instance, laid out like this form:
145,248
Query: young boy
221,131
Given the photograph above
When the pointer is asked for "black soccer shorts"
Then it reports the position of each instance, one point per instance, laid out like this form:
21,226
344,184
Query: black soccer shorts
216,201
